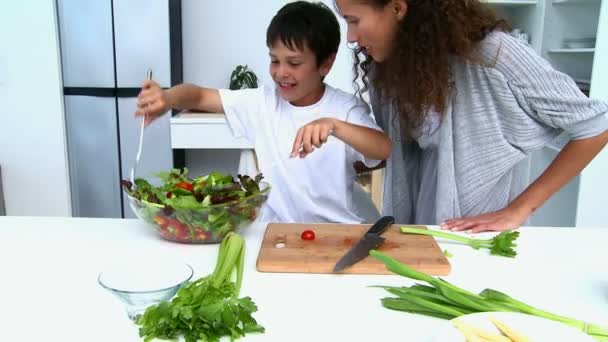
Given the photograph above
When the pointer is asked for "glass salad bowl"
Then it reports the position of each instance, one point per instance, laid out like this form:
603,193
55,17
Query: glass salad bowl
140,284
188,215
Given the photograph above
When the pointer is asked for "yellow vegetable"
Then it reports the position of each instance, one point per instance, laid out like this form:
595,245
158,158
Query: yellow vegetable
509,332
469,334
482,334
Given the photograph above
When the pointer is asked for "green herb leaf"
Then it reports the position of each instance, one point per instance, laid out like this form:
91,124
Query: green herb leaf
208,308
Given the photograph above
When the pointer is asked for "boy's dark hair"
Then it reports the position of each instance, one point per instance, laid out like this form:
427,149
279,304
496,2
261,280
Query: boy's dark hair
302,22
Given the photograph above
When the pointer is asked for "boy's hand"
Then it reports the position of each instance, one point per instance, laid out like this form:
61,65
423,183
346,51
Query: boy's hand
152,101
312,135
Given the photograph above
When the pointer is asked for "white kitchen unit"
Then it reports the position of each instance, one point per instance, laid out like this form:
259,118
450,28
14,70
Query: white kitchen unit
209,144
593,187
2,207
204,131
106,49
573,36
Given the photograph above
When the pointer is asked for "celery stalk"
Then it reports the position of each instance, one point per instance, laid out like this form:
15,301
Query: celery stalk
240,265
228,257
501,244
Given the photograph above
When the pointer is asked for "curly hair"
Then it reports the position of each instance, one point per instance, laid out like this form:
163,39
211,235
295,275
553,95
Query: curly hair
414,79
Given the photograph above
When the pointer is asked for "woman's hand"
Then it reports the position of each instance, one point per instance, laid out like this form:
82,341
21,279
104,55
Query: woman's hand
152,101
311,136
505,219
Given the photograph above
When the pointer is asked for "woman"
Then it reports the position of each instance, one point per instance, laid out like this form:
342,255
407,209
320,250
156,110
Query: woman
465,104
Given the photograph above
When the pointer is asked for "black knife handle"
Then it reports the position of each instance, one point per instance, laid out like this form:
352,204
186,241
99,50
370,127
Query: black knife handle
381,225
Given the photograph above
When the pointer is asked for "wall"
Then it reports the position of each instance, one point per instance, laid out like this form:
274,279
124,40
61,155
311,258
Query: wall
593,187
217,36
32,128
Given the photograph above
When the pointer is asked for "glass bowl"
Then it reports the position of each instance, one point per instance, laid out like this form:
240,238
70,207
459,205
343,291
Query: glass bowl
139,285
205,225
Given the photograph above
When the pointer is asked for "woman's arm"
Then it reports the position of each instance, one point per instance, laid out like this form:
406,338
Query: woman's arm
572,159
373,144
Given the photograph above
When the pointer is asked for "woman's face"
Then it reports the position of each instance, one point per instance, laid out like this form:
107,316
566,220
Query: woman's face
372,28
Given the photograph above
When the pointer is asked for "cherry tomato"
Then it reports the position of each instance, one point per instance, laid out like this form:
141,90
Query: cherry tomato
183,235
308,235
176,224
162,221
201,235
184,185
166,234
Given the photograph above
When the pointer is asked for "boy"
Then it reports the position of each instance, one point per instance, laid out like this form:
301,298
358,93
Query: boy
307,186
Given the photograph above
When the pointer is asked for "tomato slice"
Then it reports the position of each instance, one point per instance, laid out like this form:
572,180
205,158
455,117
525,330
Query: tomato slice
308,235
184,185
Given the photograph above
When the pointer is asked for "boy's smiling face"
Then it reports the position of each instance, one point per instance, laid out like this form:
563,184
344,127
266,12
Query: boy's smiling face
297,74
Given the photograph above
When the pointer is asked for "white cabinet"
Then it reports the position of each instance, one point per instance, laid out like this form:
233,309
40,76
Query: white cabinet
86,43
91,123
573,36
204,131
106,49
142,42
593,186
156,153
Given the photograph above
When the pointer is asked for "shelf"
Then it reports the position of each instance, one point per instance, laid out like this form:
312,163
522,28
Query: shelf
198,118
510,2
204,131
576,1
587,50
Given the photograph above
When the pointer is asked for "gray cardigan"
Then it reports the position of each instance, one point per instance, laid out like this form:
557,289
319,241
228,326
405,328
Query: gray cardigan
497,114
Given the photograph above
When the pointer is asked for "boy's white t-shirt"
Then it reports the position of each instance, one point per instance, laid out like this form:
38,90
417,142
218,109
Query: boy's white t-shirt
314,189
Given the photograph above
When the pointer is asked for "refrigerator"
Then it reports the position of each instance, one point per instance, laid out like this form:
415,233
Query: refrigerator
106,48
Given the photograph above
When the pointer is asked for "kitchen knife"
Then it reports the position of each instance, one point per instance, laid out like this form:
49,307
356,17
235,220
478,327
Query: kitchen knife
371,240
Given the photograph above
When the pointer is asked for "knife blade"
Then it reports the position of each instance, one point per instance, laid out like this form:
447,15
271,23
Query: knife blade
371,240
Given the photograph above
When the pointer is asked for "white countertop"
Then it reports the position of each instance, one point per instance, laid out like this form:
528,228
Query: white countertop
50,293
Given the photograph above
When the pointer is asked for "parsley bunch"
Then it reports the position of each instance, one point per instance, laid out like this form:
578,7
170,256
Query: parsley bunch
208,308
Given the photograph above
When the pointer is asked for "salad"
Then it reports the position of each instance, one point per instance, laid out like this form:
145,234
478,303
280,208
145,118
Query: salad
197,210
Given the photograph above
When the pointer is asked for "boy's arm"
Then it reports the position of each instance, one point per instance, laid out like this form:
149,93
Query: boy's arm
153,101
188,96
371,143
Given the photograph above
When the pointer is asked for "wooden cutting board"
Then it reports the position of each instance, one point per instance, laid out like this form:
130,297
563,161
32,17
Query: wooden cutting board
283,251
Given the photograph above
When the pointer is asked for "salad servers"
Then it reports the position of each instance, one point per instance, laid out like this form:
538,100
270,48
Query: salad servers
141,137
